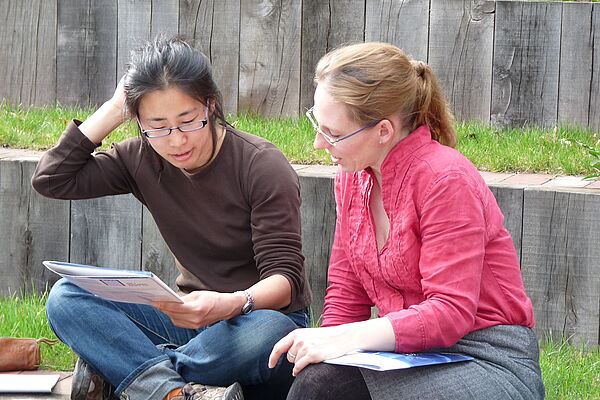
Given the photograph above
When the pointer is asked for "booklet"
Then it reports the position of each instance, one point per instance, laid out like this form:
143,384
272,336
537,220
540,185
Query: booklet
385,361
126,286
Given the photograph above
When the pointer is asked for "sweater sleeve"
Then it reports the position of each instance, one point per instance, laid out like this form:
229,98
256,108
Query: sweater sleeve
274,197
70,171
346,300
453,239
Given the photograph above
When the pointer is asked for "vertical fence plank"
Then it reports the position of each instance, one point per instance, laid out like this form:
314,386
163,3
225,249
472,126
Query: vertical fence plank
526,63
594,108
156,256
318,226
47,232
575,63
202,21
403,23
510,201
28,52
326,25
134,23
460,52
31,229
560,260
107,232
86,51
270,57
164,18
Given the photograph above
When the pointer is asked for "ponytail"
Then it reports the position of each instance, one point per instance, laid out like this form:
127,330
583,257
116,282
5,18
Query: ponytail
431,106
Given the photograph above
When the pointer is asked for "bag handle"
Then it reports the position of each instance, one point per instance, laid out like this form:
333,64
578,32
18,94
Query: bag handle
49,342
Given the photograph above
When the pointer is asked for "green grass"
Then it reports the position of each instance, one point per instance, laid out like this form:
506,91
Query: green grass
533,149
568,372
25,317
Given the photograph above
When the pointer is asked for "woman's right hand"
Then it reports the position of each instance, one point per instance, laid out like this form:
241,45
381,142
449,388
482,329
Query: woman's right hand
118,99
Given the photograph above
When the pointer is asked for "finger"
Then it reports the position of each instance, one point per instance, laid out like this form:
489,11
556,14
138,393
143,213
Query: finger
291,357
280,347
302,361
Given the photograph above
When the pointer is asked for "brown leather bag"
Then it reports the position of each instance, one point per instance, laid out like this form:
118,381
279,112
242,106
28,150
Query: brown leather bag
17,354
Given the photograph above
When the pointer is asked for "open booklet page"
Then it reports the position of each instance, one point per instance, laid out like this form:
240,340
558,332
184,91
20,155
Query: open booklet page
126,286
385,361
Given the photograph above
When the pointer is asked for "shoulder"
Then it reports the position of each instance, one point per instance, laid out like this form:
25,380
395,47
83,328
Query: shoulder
437,163
256,152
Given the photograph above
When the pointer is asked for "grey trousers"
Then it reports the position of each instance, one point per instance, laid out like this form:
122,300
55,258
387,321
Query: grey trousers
506,366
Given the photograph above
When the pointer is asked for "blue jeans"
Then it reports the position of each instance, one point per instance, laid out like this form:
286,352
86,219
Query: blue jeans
138,350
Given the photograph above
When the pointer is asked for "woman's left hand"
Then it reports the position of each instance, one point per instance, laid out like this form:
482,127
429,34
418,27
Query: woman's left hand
201,308
313,345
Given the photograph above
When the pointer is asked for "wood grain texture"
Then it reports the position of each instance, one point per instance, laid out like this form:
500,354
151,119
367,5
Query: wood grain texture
156,256
460,53
326,25
269,80
164,18
214,27
594,109
33,229
134,25
86,51
318,226
560,259
107,232
28,49
575,63
526,63
403,23
510,201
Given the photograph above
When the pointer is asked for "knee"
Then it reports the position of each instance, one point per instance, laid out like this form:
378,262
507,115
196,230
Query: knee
61,300
268,327
311,383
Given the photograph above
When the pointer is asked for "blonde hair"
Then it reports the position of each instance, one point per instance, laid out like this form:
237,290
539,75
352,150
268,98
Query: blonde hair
377,80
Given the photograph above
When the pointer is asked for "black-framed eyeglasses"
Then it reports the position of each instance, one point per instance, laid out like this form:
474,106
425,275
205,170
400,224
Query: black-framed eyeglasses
185,128
330,139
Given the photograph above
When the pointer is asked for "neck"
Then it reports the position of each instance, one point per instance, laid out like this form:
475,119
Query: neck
386,148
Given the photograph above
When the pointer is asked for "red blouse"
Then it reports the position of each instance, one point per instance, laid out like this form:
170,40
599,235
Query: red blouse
449,266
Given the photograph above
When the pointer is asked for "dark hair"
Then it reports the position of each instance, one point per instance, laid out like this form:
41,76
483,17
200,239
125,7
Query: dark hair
172,62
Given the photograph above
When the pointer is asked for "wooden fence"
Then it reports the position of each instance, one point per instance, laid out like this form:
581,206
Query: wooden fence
556,233
508,62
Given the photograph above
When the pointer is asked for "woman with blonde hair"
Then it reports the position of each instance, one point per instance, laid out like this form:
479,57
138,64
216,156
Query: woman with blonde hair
420,236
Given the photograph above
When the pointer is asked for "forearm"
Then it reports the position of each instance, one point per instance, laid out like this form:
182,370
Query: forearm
106,119
373,334
274,292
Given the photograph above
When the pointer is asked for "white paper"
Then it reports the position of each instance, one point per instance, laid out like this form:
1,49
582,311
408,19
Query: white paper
27,383
140,287
385,361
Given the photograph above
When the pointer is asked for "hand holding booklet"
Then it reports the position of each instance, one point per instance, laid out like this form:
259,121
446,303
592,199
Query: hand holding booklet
142,287
385,361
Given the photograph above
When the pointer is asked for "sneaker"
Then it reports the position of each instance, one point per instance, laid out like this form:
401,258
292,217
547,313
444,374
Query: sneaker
195,391
88,385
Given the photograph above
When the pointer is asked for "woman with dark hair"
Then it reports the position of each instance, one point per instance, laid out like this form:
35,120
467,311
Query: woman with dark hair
419,235
227,205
